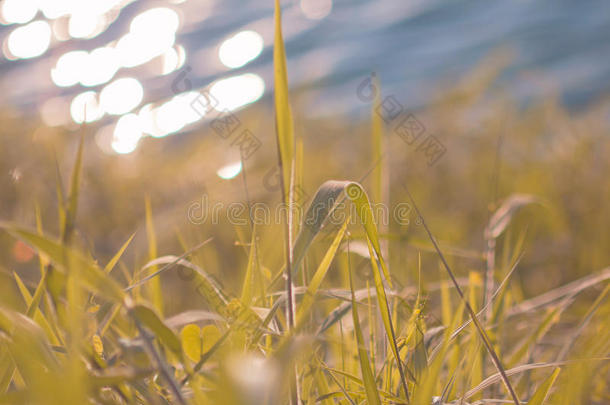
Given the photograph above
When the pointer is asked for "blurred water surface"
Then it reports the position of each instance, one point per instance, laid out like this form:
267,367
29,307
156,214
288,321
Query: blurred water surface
133,68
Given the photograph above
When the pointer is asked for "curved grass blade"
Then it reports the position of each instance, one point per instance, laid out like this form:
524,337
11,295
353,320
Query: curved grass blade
503,215
210,290
495,378
19,332
324,203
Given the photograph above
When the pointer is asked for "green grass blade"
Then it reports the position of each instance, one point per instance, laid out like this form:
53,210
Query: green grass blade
249,280
70,218
322,205
473,316
36,313
377,145
316,281
384,309
368,379
115,259
283,113
542,393
152,321
154,286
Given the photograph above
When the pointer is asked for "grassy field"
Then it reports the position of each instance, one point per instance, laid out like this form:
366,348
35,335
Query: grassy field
400,275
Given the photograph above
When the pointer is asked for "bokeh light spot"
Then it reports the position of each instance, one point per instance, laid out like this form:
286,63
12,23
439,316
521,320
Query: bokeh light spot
316,9
229,171
121,96
240,49
30,40
19,11
127,134
86,108
238,91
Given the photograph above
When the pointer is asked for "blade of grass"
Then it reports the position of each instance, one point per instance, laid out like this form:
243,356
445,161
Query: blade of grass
542,393
368,379
494,357
285,146
64,257
249,279
154,287
314,284
115,259
583,324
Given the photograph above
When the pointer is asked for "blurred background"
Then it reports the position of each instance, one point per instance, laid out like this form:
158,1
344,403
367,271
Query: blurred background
514,92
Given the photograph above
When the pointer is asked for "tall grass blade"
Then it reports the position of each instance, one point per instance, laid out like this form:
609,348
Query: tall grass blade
154,287
368,379
283,112
473,315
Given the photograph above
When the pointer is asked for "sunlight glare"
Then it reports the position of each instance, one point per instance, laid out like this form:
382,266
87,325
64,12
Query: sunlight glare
85,24
68,68
121,96
229,171
237,91
127,134
100,67
19,11
173,59
151,33
240,49
55,112
30,40
316,9
86,103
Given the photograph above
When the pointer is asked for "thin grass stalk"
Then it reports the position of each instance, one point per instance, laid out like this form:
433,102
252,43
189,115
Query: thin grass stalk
152,351
490,259
494,357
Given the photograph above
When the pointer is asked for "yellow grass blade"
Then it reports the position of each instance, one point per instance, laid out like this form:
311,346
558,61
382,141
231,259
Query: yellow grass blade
115,259
542,393
283,113
314,284
368,379
251,275
154,286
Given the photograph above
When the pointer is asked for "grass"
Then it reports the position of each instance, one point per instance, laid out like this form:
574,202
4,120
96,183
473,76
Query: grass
478,299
